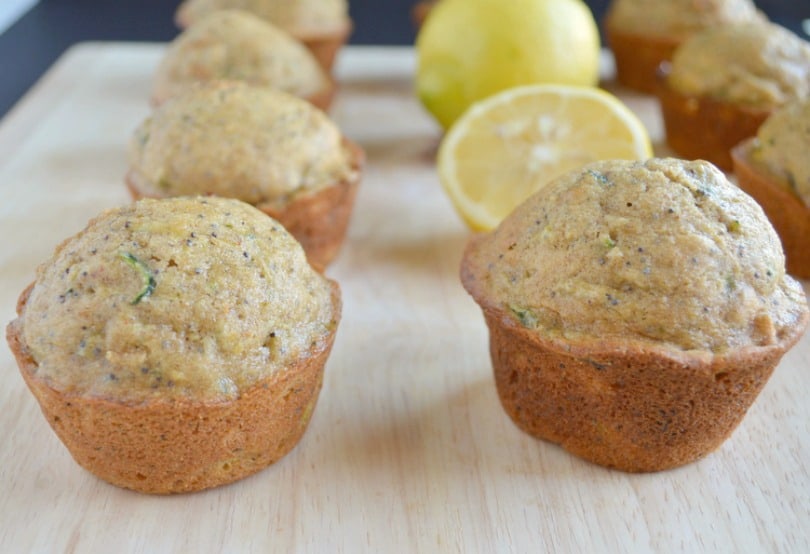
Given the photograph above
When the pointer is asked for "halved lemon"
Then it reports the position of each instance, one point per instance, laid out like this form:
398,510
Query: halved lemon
506,147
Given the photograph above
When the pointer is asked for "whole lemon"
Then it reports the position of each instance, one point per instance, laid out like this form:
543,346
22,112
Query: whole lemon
470,49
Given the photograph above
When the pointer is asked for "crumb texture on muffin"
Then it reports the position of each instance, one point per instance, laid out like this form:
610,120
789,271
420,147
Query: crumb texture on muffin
186,298
237,45
760,65
295,16
782,147
662,252
262,146
677,18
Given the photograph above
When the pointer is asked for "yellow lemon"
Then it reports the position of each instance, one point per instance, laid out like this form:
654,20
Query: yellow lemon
470,49
505,148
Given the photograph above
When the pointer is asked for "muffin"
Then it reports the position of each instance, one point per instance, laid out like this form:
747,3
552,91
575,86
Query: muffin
724,82
635,310
322,25
774,168
420,11
175,345
237,45
644,33
264,147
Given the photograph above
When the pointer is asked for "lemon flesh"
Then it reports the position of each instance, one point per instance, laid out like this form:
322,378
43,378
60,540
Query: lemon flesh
470,49
505,148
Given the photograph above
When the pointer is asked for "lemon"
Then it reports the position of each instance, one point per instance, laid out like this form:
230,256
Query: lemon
506,147
470,49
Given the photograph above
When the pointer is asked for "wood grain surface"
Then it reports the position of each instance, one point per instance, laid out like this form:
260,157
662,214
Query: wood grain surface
409,449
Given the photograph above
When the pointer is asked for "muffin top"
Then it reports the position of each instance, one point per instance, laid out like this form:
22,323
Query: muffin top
782,147
231,139
178,298
761,65
678,19
237,45
665,253
297,17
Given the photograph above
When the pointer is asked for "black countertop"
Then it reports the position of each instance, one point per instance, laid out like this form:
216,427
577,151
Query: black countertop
39,37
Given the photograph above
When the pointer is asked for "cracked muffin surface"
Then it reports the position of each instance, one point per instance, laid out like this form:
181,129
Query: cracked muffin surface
295,16
179,298
231,139
678,18
662,252
781,147
237,45
760,65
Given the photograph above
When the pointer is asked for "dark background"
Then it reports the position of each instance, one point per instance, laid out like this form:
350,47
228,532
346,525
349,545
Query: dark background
37,39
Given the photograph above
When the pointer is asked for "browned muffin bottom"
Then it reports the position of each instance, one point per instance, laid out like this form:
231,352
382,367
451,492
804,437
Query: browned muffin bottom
702,128
625,407
638,57
319,221
325,47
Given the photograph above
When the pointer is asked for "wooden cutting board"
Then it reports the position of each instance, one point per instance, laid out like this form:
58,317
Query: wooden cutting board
409,449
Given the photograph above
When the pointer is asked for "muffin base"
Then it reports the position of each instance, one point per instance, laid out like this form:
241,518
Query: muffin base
420,11
638,57
786,211
318,221
621,407
704,128
177,446
323,99
326,46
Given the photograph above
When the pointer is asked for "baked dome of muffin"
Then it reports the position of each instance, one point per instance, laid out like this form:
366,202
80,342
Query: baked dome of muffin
237,45
782,147
645,33
166,312
635,310
295,16
264,147
762,65
323,25
234,140
190,290
663,252
724,82
774,168
678,18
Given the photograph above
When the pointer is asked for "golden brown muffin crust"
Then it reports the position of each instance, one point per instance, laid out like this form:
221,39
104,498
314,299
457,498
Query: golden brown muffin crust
237,45
677,19
662,252
179,298
761,65
782,148
298,17
231,139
